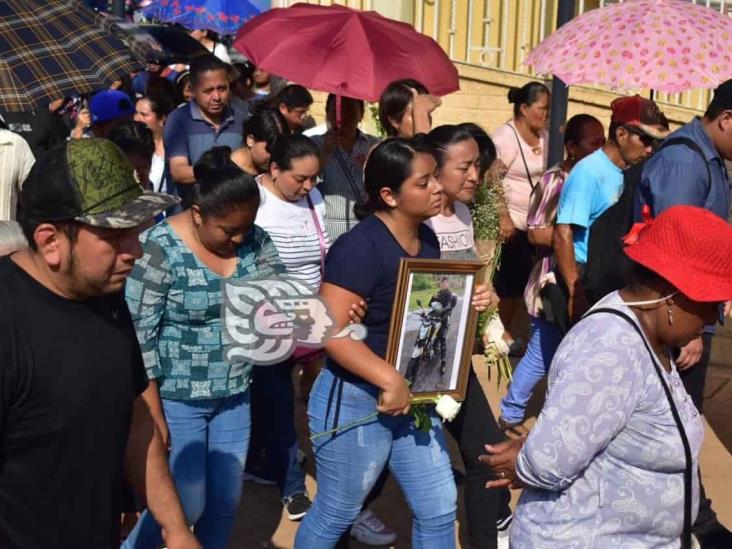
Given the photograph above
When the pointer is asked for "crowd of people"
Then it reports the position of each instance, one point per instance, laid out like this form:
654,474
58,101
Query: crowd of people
124,213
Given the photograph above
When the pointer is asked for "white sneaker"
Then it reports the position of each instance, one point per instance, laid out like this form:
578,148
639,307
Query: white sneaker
369,530
503,527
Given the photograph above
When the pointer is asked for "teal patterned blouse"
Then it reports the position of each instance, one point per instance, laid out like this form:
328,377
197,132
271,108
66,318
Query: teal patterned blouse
175,301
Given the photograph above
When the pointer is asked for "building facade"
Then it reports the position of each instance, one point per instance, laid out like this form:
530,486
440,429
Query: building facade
488,41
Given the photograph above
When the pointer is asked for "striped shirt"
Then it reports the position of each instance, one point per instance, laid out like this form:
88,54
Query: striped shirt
542,214
341,173
291,227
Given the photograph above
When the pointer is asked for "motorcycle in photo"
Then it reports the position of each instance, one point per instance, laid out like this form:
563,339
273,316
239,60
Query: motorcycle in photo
427,345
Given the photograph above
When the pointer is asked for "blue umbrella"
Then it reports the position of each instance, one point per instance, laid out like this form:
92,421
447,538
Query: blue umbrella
221,16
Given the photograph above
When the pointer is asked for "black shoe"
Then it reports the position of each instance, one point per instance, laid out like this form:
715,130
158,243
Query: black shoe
442,367
715,536
297,505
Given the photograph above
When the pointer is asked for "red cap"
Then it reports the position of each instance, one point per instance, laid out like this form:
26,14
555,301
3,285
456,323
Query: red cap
639,112
692,249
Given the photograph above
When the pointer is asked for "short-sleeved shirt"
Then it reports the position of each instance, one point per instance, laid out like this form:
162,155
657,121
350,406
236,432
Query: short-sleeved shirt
365,261
454,233
188,134
69,374
542,214
593,185
175,301
678,175
516,185
292,228
342,183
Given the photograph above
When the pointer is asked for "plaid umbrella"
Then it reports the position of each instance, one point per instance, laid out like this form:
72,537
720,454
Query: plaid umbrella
53,49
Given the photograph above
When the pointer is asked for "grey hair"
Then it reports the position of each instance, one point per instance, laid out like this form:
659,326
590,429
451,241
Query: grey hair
11,238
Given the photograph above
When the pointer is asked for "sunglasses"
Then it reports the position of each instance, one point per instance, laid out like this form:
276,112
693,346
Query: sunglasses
646,139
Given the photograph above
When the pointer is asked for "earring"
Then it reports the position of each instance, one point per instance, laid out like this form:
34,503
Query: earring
670,315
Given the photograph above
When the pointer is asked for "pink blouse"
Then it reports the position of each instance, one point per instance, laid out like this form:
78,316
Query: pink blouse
516,186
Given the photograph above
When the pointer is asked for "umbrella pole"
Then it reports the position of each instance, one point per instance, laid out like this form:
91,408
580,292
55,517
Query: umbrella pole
338,113
560,96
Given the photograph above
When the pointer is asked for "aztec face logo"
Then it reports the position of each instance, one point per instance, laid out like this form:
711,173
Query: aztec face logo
265,320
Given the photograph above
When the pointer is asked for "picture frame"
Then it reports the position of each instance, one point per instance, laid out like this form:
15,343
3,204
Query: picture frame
432,295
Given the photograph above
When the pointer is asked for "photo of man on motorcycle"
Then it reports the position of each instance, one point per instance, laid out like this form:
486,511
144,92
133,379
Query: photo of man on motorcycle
433,330
448,300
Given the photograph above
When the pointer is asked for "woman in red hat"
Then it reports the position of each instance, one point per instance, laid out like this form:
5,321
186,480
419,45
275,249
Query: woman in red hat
613,458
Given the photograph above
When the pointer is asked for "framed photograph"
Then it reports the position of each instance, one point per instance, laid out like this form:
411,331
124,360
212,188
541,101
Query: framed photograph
432,328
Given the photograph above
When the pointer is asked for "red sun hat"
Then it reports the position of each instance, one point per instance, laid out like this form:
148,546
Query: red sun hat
692,249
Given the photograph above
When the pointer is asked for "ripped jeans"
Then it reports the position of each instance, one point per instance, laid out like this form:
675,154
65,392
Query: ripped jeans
350,462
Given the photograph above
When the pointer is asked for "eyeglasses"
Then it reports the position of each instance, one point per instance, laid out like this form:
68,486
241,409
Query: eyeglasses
646,139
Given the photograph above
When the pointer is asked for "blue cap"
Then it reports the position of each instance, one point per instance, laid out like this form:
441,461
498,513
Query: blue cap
110,104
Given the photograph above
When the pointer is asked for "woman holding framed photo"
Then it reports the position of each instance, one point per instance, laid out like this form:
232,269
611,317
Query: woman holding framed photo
363,265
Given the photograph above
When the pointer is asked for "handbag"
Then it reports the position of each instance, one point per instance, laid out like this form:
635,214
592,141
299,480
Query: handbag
686,532
302,353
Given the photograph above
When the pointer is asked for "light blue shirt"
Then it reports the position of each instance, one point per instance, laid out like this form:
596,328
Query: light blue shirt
593,185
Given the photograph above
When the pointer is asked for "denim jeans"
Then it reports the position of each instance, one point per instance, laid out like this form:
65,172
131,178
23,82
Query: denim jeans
474,427
274,439
209,440
545,338
349,463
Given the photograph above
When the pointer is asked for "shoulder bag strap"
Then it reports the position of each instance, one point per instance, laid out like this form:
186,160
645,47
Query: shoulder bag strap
686,534
521,150
321,236
358,193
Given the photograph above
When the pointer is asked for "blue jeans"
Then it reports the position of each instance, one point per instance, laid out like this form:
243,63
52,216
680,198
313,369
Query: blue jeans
274,439
209,441
545,338
349,463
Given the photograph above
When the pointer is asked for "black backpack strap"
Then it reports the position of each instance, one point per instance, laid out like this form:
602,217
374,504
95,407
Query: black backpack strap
693,145
686,533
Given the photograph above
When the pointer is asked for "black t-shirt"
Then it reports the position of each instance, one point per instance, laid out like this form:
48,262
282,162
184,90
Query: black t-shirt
365,261
69,374
41,129
446,298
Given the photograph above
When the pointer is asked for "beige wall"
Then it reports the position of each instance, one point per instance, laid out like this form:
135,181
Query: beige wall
483,99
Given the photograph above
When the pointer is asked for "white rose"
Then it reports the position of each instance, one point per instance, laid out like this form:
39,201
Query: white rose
447,407
494,331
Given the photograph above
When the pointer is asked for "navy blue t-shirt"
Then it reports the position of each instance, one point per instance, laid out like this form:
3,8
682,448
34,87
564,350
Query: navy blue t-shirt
365,261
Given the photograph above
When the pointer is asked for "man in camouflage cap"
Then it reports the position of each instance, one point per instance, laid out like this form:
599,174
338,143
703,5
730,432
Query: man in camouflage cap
71,373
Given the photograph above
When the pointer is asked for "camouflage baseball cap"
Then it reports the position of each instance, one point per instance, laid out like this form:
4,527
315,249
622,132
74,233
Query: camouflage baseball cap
91,181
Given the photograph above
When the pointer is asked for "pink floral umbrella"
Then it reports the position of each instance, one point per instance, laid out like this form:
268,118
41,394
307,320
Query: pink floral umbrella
666,45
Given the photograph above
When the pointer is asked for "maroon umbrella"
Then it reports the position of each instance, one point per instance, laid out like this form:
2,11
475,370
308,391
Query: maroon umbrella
344,51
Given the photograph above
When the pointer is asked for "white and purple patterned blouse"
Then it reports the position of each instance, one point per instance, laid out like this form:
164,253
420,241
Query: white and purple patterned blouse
603,467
